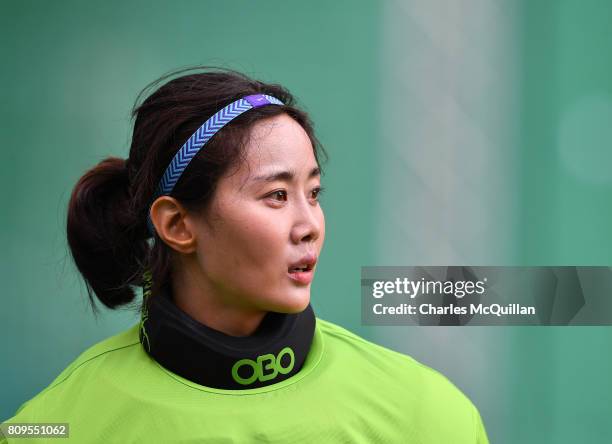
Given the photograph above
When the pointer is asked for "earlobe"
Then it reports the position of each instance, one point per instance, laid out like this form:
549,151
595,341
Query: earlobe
172,224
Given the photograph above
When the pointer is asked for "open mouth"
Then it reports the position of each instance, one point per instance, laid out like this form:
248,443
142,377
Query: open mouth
300,269
301,274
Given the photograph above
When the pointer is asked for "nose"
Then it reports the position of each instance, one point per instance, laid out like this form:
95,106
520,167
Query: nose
308,221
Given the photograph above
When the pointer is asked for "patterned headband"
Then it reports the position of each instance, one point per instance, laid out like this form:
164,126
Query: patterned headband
199,139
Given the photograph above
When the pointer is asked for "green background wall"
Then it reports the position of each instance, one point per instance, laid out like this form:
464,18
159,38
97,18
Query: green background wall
459,132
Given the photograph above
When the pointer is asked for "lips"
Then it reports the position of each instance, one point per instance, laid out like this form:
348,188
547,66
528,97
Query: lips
306,263
302,271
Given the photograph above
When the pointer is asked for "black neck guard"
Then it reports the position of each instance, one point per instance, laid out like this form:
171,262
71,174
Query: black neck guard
273,353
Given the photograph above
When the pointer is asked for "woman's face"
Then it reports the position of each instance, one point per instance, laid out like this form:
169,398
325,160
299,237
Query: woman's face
264,220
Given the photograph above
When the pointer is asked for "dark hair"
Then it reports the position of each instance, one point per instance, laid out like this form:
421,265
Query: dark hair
108,208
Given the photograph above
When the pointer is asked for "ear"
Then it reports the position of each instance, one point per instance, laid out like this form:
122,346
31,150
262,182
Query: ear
173,225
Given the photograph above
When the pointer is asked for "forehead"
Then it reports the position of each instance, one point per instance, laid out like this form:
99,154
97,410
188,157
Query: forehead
278,142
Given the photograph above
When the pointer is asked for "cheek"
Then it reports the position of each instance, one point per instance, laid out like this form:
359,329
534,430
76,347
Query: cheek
252,240
263,244
321,238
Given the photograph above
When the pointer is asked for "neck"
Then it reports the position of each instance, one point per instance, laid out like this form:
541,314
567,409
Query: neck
274,352
197,297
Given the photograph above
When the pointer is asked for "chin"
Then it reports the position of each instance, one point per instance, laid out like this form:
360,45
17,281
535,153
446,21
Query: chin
296,304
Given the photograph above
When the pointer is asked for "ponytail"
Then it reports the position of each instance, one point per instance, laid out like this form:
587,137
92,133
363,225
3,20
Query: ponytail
103,233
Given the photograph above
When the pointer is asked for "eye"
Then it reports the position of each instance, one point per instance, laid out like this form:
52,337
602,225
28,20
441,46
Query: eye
280,195
317,192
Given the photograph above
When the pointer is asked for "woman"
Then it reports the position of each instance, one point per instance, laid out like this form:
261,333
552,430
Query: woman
215,214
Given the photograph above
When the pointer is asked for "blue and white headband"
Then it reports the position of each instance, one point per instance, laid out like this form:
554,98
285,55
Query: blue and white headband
202,135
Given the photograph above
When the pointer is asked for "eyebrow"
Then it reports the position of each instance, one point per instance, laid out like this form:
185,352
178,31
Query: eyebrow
287,175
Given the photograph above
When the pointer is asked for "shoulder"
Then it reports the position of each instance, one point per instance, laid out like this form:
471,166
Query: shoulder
395,364
346,341
339,337
91,362
399,377
106,349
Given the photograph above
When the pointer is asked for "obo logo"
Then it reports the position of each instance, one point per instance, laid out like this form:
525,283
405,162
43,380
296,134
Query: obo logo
266,367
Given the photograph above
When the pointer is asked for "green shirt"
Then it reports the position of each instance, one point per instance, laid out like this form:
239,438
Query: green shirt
349,390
